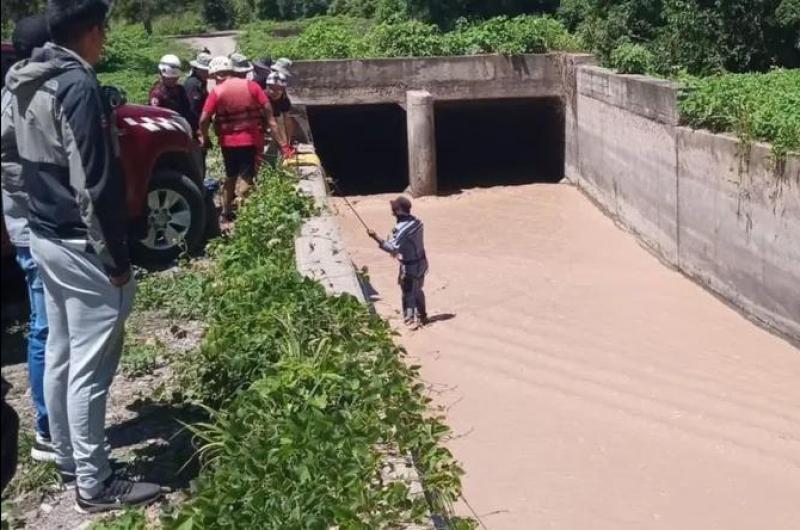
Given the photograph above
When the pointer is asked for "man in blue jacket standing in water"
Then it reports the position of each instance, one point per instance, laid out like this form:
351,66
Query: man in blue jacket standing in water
406,243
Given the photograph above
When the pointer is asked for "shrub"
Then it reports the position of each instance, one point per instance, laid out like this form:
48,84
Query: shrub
130,60
522,34
184,23
406,39
309,390
630,58
756,106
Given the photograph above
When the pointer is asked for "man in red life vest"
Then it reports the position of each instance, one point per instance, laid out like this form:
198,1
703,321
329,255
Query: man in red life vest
239,108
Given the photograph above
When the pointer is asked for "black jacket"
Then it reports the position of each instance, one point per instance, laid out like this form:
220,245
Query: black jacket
197,91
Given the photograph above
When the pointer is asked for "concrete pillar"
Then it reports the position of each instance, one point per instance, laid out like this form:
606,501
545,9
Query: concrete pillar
421,143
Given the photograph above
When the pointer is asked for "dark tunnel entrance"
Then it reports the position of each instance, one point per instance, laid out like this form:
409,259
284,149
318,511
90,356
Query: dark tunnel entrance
363,147
479,143
499,142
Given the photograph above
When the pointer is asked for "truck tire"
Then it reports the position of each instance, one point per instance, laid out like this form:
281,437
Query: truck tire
174,220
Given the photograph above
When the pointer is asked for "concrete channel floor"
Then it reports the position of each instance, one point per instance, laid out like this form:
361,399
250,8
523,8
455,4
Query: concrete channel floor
588,385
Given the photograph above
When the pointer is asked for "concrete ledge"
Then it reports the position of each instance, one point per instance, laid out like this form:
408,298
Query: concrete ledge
655,99
319,251
739,225
380,81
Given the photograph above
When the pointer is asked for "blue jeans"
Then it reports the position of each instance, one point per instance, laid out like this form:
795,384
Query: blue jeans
37,337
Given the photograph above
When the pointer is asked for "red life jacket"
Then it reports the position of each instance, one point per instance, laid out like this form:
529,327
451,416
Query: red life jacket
237,109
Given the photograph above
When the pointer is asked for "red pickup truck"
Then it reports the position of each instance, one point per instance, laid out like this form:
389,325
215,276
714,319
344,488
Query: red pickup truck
162,167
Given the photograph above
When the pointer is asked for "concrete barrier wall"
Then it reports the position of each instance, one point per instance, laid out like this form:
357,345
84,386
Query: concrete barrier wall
375,81
626,136
739,224
724,215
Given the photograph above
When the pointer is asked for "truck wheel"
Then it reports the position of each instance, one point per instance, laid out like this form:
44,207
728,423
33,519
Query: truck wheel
174,222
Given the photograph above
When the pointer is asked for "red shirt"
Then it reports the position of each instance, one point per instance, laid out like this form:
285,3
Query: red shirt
254,136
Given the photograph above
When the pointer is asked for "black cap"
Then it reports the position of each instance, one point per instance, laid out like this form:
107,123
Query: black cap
29,33
61,12
265,63
401,203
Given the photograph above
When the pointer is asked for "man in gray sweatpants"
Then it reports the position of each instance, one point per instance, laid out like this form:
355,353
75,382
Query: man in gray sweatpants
68,149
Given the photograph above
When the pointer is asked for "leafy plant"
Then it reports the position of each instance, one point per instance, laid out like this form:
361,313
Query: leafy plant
630,58
128,520
182,23
763,107
140,358
406,39
308,392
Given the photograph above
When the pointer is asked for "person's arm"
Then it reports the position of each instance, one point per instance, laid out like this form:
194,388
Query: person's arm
209,109
155,96
391,245
269,117
195,97
186,108
96,176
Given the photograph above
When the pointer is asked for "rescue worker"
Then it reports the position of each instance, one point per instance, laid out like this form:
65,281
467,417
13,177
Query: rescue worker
281,104
167,92
79,228
239,109
406,243
29,33
196,87
261,70
241,66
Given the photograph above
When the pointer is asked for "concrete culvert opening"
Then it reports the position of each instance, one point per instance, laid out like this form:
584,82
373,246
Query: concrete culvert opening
363,147
499,142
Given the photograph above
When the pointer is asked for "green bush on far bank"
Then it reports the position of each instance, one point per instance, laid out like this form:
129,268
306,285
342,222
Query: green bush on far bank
346,38
756,107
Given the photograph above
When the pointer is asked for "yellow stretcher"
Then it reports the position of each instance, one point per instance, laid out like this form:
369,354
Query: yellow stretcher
302,159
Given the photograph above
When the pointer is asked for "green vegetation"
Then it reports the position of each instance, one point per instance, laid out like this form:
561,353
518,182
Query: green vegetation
307,391
630,58
344,37
31,476
128,520
763,107
130,60
139,358
698,36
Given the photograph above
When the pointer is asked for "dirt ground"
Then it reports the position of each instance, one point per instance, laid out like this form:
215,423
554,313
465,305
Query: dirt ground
145,433
588,385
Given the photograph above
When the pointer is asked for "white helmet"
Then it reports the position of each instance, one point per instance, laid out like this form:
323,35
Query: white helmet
220,64
282,66
170,66
277,79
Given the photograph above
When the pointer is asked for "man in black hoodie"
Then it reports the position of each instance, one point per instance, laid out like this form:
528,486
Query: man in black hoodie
68,149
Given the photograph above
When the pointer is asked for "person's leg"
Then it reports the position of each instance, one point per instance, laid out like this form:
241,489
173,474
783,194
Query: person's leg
229,186
422,309
409,302
57,351
37,337
248,162
97,311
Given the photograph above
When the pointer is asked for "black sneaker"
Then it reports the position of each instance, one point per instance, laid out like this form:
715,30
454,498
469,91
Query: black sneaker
68,479
119,494
42,449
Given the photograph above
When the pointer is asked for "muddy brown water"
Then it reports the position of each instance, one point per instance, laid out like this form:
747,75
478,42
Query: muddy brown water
588,385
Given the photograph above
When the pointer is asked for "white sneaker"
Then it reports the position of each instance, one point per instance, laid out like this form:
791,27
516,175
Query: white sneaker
42,449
